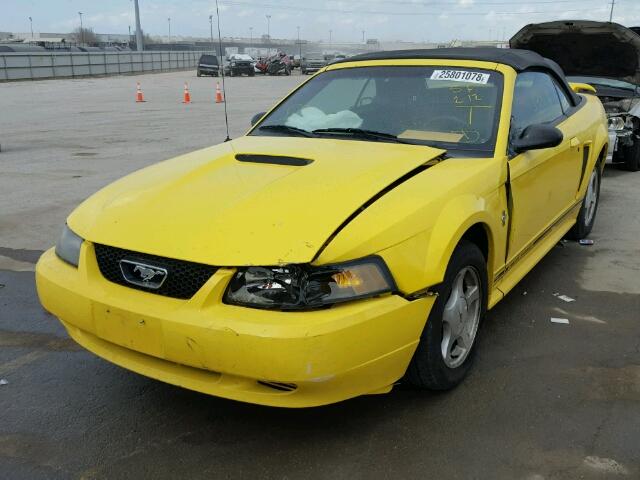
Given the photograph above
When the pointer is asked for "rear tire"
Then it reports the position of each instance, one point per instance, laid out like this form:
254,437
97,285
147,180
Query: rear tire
587,215
446,349
631,156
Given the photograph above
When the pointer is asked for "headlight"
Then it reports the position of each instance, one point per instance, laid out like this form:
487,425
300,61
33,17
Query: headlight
68,246
298,287
616,123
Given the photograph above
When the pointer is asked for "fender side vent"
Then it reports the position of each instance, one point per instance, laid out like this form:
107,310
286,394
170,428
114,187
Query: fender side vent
280,386
273,159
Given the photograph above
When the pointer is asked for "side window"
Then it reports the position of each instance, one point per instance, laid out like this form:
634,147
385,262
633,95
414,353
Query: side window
564,101
535,100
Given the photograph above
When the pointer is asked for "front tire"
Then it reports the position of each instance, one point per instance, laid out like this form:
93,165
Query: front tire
587,215
446,349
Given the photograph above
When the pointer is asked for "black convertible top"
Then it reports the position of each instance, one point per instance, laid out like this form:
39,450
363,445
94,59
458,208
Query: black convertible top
519,60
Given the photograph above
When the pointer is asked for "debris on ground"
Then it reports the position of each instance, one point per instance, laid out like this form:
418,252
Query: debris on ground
564,321
564,298
586,241
4,381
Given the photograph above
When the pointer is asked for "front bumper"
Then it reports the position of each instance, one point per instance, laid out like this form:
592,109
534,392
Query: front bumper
241,70
204,345
209,70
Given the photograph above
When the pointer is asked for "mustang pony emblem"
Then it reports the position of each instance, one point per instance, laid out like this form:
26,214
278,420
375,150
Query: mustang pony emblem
147,273
143,275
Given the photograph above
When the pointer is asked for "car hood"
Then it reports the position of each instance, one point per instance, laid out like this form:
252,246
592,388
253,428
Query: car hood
209,207
586,48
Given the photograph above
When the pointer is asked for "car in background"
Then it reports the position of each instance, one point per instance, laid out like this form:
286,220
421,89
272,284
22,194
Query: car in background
337,57
295,61
238,64
605,56
208,65
355,236
312,62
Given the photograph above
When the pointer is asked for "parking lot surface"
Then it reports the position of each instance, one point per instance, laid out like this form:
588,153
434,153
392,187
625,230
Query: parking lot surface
544,400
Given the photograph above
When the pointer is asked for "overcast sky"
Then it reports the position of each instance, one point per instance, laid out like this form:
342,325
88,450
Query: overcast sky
409,20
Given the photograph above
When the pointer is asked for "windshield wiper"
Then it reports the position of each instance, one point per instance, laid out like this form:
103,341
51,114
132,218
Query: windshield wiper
359,132
287,129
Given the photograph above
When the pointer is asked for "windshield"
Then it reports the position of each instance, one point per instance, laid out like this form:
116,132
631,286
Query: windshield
448,107
605,82
240,56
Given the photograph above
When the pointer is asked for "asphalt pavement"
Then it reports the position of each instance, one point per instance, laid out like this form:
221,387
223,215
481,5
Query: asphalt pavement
544,400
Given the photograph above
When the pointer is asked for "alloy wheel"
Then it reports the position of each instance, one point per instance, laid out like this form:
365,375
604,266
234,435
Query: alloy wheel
461,317
591,198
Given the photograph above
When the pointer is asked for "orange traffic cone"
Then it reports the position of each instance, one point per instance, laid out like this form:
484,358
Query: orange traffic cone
139,96
187,95
219,98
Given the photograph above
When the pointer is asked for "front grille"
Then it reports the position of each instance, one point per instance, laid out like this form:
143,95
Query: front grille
183,280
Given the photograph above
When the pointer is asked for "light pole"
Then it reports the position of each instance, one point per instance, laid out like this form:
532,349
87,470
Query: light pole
251,37
129,34
211,31
362,36
613,3
31,24
169,22
330,41
299,44
268,27
81,29
139,40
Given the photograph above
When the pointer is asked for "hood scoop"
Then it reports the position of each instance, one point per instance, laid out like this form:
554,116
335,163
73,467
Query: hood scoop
273,159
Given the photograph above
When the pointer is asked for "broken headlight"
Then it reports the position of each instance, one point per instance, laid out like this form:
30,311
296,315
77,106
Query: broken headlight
298,287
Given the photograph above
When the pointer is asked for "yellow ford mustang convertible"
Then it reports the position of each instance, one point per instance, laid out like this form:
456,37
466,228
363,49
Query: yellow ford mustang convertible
355,236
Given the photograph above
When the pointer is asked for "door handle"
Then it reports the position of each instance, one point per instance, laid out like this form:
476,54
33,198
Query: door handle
575,142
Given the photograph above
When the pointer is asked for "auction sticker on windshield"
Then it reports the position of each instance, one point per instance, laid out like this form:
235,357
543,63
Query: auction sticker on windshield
460,76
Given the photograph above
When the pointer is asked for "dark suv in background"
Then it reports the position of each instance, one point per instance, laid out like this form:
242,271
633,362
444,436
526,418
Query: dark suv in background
238,64
208,65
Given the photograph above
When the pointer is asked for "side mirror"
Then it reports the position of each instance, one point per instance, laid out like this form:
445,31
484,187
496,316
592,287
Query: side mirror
256,118
536,137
